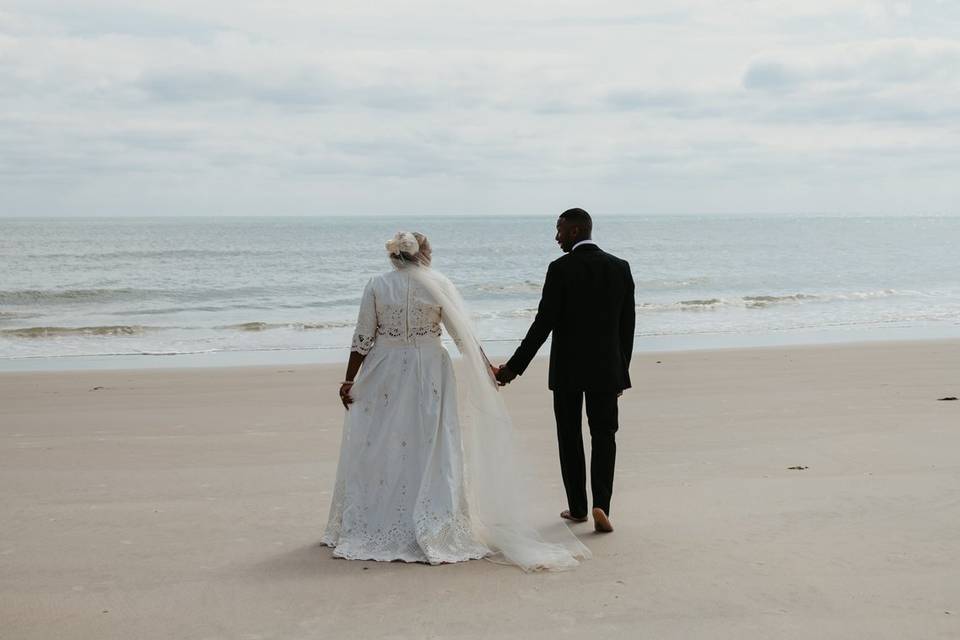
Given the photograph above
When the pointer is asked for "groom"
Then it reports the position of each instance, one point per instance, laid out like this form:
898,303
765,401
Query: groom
587,303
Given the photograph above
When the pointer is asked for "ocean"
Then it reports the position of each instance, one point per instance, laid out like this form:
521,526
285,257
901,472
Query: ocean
115,292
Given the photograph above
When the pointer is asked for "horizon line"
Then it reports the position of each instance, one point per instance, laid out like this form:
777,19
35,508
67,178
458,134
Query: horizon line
778,214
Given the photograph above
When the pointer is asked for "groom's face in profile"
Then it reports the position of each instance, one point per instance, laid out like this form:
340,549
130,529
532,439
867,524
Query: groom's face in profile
568,234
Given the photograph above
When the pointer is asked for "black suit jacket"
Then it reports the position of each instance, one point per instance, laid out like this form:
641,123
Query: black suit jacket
588,304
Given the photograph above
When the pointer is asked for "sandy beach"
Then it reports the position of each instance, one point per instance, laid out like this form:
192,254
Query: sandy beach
189,504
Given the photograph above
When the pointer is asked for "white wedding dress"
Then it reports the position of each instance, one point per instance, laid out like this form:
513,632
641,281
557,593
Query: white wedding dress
400,492
429,470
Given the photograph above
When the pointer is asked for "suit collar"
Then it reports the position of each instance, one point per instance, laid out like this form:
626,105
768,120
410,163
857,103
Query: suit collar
585,245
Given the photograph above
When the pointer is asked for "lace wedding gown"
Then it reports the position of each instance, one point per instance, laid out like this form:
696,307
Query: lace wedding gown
400,491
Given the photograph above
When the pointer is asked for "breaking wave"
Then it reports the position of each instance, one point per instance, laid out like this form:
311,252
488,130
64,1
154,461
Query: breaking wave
300,326
666,284
536,286
52,332
40,297
523,286
35,296
136,330
715,304
765,301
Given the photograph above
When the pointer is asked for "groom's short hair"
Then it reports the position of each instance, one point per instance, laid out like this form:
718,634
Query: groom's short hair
580,218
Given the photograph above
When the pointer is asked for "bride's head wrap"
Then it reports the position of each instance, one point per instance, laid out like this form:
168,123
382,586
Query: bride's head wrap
409,247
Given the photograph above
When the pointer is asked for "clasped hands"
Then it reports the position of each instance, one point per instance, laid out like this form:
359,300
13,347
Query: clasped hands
503,375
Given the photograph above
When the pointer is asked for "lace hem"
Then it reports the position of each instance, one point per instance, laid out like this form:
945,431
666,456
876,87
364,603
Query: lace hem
434,539
347,552
362,344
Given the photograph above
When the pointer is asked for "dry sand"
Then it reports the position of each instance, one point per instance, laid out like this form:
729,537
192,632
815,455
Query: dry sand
190,503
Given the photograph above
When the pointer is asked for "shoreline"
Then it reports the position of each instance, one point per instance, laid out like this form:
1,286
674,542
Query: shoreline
495,348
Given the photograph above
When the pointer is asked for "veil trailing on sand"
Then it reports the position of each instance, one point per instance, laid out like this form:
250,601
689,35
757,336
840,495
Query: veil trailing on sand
499,503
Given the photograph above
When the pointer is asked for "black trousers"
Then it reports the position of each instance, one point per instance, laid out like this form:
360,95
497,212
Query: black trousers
602,418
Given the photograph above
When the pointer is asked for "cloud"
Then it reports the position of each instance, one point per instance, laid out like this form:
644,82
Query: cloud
307,87
96,21
771,74
509,105
900,80
886,62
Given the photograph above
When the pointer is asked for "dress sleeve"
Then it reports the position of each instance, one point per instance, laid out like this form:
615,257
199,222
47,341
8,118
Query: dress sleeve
366,332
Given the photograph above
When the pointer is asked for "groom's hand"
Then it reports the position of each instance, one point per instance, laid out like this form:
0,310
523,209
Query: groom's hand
505,375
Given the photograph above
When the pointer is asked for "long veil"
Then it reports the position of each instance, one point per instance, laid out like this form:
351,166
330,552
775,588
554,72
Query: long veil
499,503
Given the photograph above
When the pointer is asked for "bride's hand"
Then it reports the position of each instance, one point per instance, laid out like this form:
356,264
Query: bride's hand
493,375
345,395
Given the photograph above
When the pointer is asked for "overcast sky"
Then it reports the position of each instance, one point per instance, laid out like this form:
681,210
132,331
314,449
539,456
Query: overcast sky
312,107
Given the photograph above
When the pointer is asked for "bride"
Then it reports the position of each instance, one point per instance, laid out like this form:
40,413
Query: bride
428,473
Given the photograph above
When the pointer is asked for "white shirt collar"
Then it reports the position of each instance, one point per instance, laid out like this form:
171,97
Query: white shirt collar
583,242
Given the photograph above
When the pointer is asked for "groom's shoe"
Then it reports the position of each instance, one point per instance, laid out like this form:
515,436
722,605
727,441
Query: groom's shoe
566,515
601,523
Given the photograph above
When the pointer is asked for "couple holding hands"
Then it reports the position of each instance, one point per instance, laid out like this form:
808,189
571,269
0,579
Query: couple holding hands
428,470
